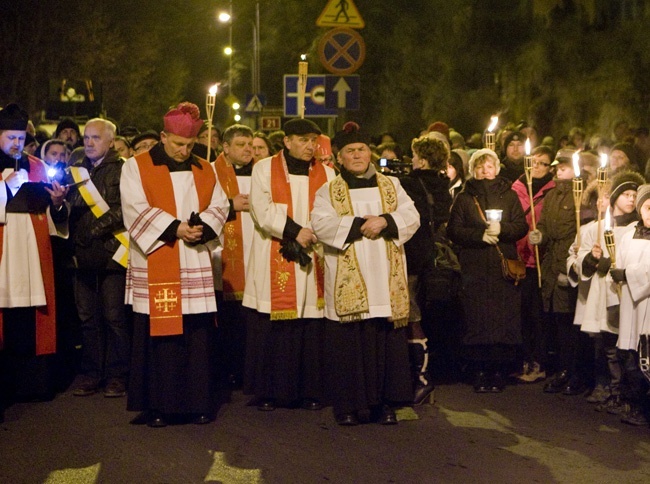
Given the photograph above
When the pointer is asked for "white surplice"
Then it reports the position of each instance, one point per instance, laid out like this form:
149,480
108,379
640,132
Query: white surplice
270,219
145,224
374,265
21,280
599,312
633,255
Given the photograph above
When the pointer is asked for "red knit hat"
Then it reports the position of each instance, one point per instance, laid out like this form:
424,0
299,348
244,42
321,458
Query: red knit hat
183,120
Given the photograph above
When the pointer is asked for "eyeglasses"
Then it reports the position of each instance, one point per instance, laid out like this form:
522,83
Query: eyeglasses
540,163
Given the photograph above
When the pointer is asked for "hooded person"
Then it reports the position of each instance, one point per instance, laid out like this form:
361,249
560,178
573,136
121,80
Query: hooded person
27,303
363,218
174,210
284,290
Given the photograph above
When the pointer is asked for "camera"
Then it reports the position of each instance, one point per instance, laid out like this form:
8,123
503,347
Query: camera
395,166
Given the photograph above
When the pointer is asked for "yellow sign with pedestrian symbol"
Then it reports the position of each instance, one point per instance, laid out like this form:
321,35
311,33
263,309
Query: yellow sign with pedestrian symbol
341,13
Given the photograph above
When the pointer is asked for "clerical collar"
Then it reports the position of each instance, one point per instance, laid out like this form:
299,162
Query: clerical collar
295,165
243,170
366,180
159,157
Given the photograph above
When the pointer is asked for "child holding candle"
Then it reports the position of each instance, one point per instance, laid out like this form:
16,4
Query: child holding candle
632,272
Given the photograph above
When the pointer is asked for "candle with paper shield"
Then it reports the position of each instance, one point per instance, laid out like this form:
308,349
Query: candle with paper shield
493,215
209,108
578,187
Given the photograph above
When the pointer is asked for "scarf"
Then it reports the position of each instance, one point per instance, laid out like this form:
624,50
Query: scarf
350,291
283,273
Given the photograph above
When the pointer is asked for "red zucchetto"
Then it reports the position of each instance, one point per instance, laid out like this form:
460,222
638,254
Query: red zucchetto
184,120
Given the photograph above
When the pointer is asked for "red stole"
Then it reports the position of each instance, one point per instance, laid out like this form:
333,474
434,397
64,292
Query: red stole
164,264
45,315
283,275
232,256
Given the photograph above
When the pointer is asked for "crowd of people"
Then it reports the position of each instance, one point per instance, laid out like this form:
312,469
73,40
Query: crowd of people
172,267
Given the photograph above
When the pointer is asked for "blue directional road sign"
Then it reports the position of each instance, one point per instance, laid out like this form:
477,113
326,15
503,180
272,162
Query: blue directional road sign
314,97
342,92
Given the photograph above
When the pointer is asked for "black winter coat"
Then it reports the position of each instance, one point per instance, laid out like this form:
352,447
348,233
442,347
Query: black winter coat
420,247
491,304
558,226
94,243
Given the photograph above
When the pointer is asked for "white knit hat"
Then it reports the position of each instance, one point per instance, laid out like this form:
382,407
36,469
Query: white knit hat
482,152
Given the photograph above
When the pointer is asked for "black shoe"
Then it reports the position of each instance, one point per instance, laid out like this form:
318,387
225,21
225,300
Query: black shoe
141,419
156,420
423,392
87,386
482,383
558,383
203,419
575,386
347,419
387,416
115,388
266,405
311,404
497,384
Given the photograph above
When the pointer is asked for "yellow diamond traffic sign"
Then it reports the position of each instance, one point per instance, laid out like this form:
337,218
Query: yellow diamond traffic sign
340,13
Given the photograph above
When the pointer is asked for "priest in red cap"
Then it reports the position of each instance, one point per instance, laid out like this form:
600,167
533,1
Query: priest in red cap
174,210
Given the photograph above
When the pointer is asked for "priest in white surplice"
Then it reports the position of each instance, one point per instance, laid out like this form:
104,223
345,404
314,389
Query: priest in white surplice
363,218
174,210
284,288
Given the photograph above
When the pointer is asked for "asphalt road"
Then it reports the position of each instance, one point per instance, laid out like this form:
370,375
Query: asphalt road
521,435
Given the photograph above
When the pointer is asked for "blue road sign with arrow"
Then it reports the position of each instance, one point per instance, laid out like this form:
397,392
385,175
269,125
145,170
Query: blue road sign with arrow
342,92
314,97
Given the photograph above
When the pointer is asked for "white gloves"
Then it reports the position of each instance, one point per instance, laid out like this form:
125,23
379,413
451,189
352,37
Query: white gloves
15,180
490,239
494,228
535,237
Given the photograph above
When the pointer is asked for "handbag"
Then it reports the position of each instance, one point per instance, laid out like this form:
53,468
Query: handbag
511,269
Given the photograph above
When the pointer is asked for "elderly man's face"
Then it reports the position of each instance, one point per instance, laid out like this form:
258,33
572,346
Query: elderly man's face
177,147
301,146
12,142
97,140
355,158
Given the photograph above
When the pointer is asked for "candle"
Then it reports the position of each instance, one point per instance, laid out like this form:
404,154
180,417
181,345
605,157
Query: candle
494,214
303,67
577,191
489,135
209,107
601,174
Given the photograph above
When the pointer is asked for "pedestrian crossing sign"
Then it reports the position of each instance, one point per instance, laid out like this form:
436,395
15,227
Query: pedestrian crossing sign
341,13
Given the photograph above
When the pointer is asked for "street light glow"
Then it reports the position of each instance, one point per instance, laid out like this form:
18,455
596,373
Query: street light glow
235,106
237,117
227,50
224,17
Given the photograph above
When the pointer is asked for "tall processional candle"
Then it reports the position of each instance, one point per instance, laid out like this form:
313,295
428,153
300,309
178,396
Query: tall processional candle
209,108
601,174
528,170
610,243
303,67
578,188
490,142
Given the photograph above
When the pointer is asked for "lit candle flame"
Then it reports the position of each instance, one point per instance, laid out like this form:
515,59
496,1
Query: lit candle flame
303,57
576,166
527,146
604,158
213,90
493,123
608,224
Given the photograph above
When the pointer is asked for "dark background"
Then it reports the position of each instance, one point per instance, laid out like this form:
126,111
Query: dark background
553,63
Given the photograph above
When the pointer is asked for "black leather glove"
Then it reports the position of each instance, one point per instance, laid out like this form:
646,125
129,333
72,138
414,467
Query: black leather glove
618,275
603,266
293,252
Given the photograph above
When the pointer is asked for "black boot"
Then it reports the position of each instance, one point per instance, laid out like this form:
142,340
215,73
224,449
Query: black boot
423,386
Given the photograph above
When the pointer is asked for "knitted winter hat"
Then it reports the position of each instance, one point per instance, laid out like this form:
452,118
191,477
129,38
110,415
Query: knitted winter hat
478,154
642,194
622,181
